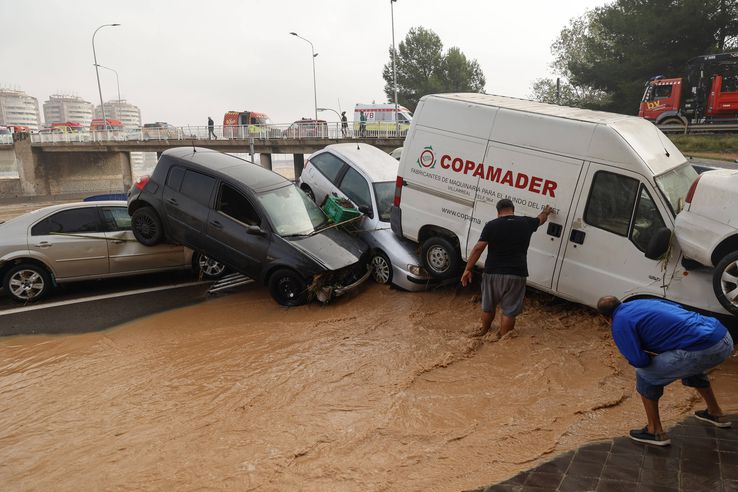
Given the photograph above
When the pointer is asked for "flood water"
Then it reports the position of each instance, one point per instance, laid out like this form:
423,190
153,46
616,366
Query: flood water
384,390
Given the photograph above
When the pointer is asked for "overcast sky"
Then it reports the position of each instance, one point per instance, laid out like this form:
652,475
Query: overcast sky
182,61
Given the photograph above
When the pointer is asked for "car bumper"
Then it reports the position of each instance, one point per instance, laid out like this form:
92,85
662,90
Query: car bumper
407,280
326,293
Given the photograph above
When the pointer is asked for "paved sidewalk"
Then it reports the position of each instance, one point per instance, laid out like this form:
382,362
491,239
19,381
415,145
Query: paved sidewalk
701,458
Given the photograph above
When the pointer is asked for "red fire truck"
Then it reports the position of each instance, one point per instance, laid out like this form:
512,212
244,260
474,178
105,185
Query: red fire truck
707,94
244,124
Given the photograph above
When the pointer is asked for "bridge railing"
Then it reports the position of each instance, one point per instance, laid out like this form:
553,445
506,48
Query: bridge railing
6,139
290,131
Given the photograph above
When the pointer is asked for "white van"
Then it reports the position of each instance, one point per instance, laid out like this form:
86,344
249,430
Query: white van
382,119
616,183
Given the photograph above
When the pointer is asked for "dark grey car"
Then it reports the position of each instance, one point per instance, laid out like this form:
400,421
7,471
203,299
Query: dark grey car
249,218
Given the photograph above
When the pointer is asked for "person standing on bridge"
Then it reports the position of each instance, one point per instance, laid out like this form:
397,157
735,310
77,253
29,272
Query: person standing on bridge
503,282
362,123
211,127
344,123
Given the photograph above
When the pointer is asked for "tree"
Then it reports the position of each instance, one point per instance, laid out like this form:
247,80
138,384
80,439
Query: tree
423,68
608,53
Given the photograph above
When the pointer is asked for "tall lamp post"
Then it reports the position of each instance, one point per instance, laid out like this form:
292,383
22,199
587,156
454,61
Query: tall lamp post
315,90
394,70
117,81
97,72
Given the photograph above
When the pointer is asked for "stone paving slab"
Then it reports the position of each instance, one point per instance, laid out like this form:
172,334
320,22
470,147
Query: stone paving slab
701,458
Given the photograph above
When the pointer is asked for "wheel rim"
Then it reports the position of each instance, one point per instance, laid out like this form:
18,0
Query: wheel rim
438,258
729,282
310,194
380,270
288,288
26,284
209,266
145,226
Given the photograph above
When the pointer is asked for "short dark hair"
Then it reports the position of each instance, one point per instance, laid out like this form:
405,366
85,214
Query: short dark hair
505,203
607,305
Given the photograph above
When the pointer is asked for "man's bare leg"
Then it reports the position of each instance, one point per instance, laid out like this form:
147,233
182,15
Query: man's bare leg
507,325
713,408
487,319
652,414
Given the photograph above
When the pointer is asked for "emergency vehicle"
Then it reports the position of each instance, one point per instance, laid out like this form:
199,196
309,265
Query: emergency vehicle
382,119
245,124
615,182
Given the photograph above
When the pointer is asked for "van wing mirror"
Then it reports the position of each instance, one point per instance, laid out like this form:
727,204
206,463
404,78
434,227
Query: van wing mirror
659,243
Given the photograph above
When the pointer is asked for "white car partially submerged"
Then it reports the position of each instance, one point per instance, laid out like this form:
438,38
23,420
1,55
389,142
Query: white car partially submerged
707,231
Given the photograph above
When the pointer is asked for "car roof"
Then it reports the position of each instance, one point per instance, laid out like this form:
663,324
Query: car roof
375,163
250,174
38,213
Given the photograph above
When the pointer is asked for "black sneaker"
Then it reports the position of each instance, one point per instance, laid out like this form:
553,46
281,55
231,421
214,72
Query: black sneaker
716,421
642,435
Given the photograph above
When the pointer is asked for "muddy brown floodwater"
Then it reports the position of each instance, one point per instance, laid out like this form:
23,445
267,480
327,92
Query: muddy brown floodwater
385,390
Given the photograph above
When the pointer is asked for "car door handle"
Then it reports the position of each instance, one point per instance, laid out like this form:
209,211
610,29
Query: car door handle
172,201
577,236
43,244
216,224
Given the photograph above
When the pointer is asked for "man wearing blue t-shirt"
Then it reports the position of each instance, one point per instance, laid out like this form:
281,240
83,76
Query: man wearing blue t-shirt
665,342
506,240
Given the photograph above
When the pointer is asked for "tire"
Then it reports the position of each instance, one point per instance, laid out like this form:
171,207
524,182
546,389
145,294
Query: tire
207,268
27,282
725,282
381,268
146,226
288,288
673,121
440,257
308,192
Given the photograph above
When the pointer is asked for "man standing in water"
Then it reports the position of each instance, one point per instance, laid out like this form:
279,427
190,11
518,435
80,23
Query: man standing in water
503,283
665,342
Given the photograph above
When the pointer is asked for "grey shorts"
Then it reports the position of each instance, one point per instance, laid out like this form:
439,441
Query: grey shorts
506,291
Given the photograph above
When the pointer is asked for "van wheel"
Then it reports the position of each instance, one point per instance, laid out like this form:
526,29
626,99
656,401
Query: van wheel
440,257
725,282
288,288
146,226
26,282
381,268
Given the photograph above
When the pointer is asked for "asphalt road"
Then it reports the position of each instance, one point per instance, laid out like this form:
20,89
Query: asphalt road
96,305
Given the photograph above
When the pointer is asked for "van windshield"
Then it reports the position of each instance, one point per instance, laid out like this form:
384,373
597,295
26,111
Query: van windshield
675,184
291,212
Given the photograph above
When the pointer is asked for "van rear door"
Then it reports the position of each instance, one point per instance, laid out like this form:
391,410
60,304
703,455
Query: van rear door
531,179
617,214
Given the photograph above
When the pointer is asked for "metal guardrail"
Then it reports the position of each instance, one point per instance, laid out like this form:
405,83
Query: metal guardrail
293,131
6,139
699,129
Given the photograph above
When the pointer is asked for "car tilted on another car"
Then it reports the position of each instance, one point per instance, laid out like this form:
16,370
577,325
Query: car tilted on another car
82,241
252,219
366,176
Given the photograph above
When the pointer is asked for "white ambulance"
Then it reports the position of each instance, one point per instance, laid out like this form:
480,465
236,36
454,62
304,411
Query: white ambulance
616,184
381,119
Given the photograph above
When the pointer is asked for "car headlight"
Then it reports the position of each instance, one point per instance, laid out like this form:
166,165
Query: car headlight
416,270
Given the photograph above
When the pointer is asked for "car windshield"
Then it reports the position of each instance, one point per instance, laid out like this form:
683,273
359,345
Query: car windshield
675,184
385,193
291,212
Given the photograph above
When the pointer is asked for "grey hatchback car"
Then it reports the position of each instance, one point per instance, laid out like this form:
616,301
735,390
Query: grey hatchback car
82,241
249,218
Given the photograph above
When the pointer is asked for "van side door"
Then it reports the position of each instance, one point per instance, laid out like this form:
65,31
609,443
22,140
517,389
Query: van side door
531,179
614,220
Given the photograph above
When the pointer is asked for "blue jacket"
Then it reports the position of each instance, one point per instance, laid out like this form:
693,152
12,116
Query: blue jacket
660,326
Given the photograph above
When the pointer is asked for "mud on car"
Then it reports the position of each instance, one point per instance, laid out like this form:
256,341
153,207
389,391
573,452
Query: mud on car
249,218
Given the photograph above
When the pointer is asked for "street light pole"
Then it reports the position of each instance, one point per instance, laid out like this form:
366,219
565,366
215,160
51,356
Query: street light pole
394,70
97,72
315,90
117,81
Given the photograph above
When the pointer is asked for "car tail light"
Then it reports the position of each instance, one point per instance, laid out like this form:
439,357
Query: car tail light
398,191
692,189
141,182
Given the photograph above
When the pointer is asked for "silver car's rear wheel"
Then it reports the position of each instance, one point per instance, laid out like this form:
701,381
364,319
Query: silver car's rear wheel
381,268
209,268
26,282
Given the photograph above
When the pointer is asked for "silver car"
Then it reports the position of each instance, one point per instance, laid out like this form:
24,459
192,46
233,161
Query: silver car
82,241
366,176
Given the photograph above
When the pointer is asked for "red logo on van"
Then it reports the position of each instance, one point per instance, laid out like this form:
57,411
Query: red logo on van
427,158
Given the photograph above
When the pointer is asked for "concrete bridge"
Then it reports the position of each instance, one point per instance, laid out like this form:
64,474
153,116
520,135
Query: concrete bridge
73,169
